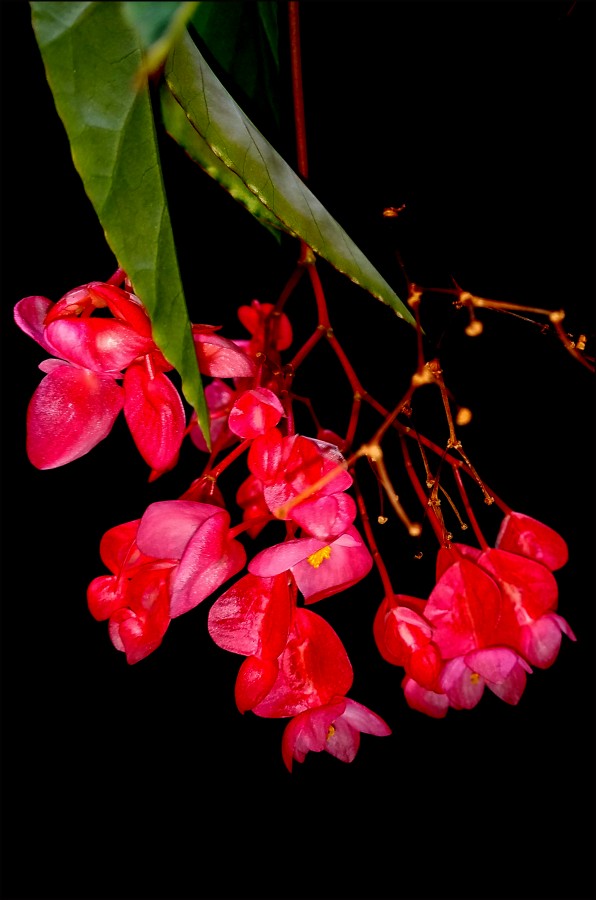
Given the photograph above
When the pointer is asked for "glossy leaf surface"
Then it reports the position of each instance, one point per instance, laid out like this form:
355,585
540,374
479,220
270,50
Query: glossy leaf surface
233,138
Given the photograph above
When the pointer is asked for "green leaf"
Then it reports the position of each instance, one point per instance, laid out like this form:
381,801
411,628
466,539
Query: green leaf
158,25
180,129
91,56
233,138
243,39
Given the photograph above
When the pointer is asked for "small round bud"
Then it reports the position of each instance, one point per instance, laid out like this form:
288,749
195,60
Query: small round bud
474,328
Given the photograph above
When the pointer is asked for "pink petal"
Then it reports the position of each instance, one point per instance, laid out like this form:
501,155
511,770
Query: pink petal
102,345
116,543
29,314
511,688
325,517
463,687
220,357
494,663
365,720
447,556
168,525
139,629
343,741
281,557
257,319
308,731
209,559
318,576
155,415
541,639
70,412
429,702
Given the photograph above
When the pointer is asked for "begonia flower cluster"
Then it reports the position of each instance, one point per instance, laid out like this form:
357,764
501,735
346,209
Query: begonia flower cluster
490,618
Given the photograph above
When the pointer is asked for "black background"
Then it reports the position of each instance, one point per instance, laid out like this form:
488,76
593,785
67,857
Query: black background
145,781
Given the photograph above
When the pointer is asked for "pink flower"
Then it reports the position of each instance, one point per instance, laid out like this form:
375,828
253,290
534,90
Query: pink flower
196,535
499,668
76,404
334,727
320,568
287,466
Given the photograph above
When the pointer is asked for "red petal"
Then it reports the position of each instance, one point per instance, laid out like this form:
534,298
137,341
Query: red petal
313,669
254,681
155,415
530,587
464,609
253,616
531,538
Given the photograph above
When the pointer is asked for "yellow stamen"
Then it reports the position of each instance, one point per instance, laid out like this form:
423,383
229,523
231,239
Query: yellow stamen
474,677
316,558
330,732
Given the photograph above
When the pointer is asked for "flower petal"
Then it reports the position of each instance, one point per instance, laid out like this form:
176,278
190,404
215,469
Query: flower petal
168,525
29,314
338,566
464,609
253,616
155,415
102,345
313,669
531,538
70,412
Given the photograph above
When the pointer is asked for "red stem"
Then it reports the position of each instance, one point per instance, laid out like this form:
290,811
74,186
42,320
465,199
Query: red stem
296,65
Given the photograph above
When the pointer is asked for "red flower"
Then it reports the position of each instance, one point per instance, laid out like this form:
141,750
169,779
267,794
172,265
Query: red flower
269,330
286,466
135,598
254,412
313,668
490,616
